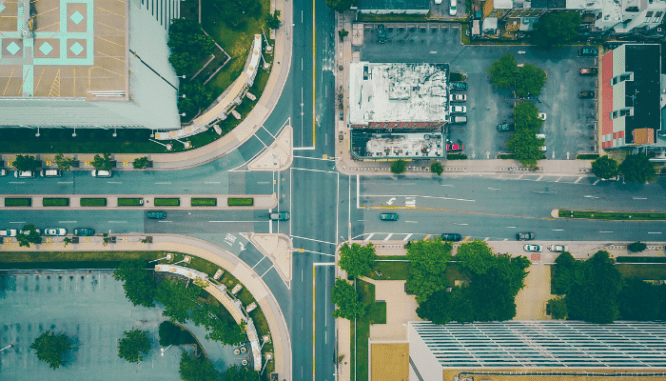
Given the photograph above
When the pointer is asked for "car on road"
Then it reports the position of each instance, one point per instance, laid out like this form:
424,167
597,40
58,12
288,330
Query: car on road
8,233
457,97
453,9
381,34
26,232
506,127
586,95
454,237
282,216
588,71
24,174
458,86
558,248
525,236
388,216
55,231
50,173
156,214
101,173
542,115
454,147
532,248
458,119
588,51
457,109
84,231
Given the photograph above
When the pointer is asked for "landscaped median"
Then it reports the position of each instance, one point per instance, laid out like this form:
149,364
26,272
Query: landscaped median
55,202
619,216
10,202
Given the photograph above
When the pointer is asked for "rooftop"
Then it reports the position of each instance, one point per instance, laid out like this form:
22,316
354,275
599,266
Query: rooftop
383,145
643,93
393,4
397,93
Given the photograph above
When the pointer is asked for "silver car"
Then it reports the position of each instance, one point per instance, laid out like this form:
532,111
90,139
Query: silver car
55,231
532,248
8,233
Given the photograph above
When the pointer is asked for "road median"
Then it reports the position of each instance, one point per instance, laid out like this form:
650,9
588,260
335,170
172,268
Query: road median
611,216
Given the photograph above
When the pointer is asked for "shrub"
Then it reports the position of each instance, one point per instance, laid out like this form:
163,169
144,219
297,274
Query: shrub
204,202
55,202
399,166
641,259
130,202
587,156
457,77
506,156
436,168
637,247
167,202
93,202
18,202
456,156
238,201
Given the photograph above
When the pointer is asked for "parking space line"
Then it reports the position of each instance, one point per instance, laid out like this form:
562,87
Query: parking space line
595,183
578,179
407,238
388,236
540,177
369,236
558,179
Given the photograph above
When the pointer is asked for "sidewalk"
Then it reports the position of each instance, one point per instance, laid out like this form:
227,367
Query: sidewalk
199,248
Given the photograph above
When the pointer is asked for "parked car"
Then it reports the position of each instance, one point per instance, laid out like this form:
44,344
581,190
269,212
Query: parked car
458,119
55,231
588,51
477,13
525,236
586,95
156,215
455,237
532,248
542,115
24,174
388,216
99,173
457,109
50,173
506,127
26,232
458,86
543,148
613,45
84,231
457,97
558,248
454,147
282,216
540,136
588,71
453,9
8,233
3,172
381,34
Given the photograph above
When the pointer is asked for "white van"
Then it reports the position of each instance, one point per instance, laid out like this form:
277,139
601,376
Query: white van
50,173
453,9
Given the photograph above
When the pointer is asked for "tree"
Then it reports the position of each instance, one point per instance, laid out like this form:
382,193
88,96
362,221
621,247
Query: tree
63,162
556,29
134,345
637,247
558,308
357,260
605,168
236,373
138,282
526,117
437,168
443,307
640,300
347,301
102,163
186,35
51,348
503,72
475,257
638,169
227,331
197,98
25,240
399,166
526,147
273,21
140,162
340,5
529,80
24,163
232,11
183,62
193,369
178,300
428,263
343,33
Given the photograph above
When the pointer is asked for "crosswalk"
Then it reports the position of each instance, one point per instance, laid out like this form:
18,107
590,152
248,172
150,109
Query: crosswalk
404,237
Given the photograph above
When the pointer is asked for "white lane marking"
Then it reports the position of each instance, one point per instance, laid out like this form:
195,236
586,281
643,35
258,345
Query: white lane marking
654,232
313,158
22,222
258,262
589,196
263,182
446,185
363,220
369,236
494,189
595,183
417,195
17,182
269,269
407,238
605,232
65,182
578,179
164,221
301,324
640,198
455,223
358,191
302,277
114,182
212,182
540,177
234,221
558,230
269,133
164,183
558,179
486,239
117,222
412,222
314,240
510,227
262,142
388,236
66,222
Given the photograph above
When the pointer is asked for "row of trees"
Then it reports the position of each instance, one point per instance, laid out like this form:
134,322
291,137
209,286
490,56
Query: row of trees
201,369
635,168
400,166
65,163
526,80
523,142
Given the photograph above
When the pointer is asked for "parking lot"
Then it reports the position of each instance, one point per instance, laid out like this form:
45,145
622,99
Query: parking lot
570,122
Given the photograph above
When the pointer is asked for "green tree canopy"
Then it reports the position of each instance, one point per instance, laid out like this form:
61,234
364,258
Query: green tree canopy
227,331
357,260
197,97
638,169
138,283
193,369
183,63
178,300
51,348
526,117
428,263
526,80
236,373
102,163
25,240
637,247
399,166
134,345
475,257
189,45
273,20
63,162
436,168
347,301
526,147
504,71
25,163
443,307
556,29
558,308
641,301
340,5
605,167
233,11
529,80
140,162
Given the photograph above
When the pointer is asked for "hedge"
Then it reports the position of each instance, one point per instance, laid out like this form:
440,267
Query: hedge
204,202
240,201
506,156
456,156
641,259
130,201
457,77
621,216
18,202
167,202
93,202
587,156
55,202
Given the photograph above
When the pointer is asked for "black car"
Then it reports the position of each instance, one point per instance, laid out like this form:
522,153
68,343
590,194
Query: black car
455,237
525,236
156,215
84,231
588,51
381,34
586,95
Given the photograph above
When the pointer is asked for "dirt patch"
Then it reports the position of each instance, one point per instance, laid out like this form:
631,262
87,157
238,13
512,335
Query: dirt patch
389,362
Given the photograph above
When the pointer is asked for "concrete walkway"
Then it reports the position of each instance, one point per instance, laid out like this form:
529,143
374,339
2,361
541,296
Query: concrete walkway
205,250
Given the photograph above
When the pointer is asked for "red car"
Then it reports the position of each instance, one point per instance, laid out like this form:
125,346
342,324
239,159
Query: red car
588,71
454,147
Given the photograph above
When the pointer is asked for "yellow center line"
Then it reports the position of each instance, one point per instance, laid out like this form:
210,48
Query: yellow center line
314,286
314,75
462,212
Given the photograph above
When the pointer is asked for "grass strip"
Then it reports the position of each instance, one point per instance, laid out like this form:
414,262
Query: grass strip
93,202
72,259
18,202
641,259
130,201
644,272
167,202
375,314
204,202
55,202
617,216
236,201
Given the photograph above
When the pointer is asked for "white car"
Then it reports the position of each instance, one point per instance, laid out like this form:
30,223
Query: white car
99,173
8,233
558,248
438,1
541,136
3,172
26,232
542,115
457,109
532,248
55,231
543,148
453,9
457,97
24,174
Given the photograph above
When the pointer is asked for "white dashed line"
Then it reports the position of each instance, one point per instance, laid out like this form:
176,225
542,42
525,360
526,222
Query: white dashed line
589,196
654,232
558,230
510,227
640,198
459,224
605,232
412,222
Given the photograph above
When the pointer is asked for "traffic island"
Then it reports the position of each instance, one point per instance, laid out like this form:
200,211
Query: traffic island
278,248
610,216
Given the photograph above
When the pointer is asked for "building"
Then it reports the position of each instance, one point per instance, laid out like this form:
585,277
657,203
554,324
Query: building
398,110
88,64
408,7
630,96
536,350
